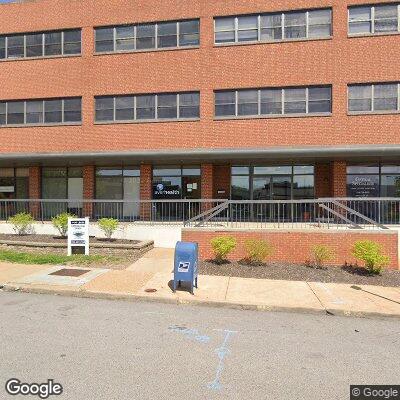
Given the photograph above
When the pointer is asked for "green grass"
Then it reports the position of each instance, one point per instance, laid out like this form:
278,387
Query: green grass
32,258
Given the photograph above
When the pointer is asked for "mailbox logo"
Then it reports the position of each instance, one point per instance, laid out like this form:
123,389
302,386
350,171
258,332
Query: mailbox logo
184,266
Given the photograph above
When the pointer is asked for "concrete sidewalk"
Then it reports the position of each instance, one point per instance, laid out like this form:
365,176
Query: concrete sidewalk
154,271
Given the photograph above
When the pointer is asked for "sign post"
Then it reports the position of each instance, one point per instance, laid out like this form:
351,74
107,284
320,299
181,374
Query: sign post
78,235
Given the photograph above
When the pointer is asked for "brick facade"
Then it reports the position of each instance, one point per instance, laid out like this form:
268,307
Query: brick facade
222,182
146,179
338,179
88,188
35,189
295,246
367,59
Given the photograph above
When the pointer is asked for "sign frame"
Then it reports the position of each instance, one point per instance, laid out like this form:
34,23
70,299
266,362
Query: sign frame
78,234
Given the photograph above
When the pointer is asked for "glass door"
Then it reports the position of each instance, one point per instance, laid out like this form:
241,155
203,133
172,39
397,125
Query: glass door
281,190
191,191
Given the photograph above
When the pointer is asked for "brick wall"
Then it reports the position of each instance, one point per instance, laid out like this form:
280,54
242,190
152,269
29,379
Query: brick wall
222,181
338,179
88,188
295,246
146,189
367,59
322,180
207,179
35,189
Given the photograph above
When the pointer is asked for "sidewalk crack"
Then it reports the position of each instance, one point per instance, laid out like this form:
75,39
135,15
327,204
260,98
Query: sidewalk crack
315,294
227,287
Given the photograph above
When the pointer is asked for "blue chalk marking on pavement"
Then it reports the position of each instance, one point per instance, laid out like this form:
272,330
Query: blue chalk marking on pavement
190,333
222,352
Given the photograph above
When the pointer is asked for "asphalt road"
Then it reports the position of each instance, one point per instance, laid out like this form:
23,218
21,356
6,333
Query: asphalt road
100,349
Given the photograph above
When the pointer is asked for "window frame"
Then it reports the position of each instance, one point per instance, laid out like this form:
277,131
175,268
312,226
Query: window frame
43,56
156,47
137,120
282,26
372,10
372,86
26,124
261,115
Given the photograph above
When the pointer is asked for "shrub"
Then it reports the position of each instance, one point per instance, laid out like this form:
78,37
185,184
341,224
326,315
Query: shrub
60,222
108,226
321,254
22,223
257,250
371,254
222,246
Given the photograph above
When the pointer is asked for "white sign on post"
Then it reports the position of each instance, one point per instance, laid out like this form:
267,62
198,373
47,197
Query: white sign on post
78,234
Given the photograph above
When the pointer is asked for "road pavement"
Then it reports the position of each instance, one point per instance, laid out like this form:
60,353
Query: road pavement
117,350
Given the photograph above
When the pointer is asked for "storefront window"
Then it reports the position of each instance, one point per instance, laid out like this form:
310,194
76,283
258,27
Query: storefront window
373,180
272,182
175,182
14,183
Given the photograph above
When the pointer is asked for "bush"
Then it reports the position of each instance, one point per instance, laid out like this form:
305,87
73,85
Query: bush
257,250
60,222
321,254
222,246
108,226
22,223
371,254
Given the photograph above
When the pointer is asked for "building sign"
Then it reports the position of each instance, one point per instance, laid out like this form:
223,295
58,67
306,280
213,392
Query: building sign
363,185
7,189
78,234
162,190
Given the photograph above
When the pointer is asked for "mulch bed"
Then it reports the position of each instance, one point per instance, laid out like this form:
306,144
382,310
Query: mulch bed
299,272
59,239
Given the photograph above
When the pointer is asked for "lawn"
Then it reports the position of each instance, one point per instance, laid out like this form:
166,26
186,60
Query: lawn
46,258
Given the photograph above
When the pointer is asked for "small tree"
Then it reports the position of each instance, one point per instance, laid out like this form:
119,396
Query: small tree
108,226
60,222
257,250
321,254
371,254
22,223
222,246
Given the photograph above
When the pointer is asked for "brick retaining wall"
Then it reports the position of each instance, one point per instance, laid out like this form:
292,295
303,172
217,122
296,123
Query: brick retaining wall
295,245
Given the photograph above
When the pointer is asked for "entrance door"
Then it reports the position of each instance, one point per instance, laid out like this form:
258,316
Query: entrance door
191,191
132,196
75,192
271,187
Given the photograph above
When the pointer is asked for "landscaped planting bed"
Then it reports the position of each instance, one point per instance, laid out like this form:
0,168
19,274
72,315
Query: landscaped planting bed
300,272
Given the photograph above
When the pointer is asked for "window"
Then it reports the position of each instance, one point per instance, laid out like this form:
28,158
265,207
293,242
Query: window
163,106
189,33
247,28
381,18
274,101
295,101
15,112
104,39
374,97
41,112
147,36
40,44
295,25
73,110
167,35
248,102
34,112
124,108
16,182
189,105
167,106
34,45
105,109
146,107
225,103
274,26
72,42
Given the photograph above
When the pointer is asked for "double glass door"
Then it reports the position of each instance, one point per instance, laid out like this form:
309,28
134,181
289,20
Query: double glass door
271,187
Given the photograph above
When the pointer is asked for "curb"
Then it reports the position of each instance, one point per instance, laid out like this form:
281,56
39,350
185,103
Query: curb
208,303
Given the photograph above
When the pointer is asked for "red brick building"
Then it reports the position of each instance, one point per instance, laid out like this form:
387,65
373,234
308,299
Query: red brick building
122,99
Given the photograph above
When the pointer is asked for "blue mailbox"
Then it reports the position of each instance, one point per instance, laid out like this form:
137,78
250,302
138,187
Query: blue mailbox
185,267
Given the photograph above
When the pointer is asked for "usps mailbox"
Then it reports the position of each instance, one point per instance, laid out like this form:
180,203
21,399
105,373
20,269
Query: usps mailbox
186,260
